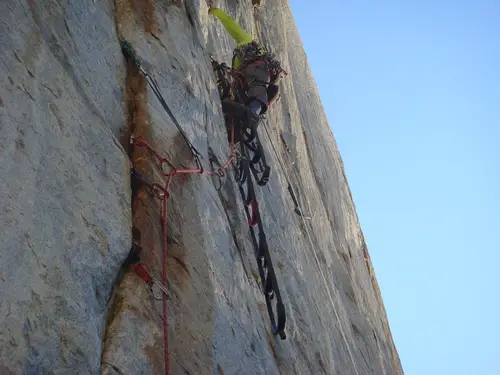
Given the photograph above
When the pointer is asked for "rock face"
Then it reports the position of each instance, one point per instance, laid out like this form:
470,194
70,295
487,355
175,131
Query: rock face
69,103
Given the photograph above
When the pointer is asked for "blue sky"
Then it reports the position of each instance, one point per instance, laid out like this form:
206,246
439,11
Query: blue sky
412,93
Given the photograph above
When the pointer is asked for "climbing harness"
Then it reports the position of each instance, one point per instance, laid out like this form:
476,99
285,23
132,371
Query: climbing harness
251,165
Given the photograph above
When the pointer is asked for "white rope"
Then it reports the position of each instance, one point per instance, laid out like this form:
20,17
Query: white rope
315,256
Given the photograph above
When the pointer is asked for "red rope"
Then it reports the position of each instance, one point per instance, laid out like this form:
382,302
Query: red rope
232,148
164,282
140,269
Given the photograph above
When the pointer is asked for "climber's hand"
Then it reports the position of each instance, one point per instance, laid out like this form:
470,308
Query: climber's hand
210,6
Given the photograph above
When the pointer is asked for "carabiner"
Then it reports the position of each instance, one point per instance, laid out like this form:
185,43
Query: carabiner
162,290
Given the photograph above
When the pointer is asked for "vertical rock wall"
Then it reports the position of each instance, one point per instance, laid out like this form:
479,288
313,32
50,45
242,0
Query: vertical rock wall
68,105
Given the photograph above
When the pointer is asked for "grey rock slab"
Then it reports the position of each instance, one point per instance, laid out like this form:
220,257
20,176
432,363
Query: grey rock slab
68,306
65,198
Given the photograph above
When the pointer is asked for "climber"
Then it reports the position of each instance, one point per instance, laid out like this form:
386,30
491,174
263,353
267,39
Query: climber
259,71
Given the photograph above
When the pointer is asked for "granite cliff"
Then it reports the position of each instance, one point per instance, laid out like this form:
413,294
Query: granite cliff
69,103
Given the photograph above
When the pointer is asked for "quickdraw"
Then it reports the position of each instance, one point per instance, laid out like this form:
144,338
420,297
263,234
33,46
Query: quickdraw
130,55
154,189
154,286
158,288
152,283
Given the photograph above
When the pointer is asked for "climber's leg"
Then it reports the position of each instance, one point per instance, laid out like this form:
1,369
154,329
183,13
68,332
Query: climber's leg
233,109
257,79
239,35
255,106
244,114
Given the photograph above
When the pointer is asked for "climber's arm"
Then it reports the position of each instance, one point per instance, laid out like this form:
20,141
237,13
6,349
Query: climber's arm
238,34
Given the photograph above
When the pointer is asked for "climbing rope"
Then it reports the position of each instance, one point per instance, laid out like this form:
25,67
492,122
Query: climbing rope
162,193
130,54
163,197
290,187
154,189
253,216
342,332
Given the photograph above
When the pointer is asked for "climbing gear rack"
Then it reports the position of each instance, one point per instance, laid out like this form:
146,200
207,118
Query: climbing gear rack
252,165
